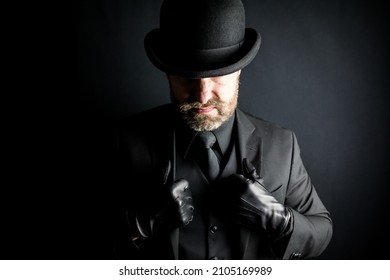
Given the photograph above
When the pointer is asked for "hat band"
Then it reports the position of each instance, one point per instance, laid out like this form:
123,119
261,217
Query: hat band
202,58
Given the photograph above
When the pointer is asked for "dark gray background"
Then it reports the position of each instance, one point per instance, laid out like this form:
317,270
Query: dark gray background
322,71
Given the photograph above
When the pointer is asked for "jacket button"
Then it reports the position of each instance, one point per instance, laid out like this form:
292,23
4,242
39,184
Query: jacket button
295,256
213,229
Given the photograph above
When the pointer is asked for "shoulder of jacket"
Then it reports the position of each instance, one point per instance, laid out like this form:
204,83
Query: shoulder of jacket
267,127
268,130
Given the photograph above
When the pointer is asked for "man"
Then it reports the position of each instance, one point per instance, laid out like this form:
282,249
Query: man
200,179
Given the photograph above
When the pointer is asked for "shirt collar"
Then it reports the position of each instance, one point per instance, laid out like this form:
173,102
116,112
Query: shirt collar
186,136
224,134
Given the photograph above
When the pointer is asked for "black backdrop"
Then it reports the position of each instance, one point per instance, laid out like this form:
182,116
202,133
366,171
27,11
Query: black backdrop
322,70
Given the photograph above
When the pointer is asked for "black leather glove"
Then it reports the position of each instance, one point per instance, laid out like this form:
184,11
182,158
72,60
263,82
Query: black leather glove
257,208
170,208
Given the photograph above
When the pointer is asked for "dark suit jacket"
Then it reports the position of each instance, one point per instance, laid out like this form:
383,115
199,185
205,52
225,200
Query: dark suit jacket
146,142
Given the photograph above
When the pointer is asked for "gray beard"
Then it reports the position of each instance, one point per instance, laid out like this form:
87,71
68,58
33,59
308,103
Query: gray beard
200,122
203,122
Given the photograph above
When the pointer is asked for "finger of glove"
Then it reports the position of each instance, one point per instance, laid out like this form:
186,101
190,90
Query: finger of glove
177,214
179,189
251,173
250,170
181,193
186,213
169,196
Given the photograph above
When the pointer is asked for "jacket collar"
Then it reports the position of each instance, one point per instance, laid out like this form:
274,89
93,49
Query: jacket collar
249,142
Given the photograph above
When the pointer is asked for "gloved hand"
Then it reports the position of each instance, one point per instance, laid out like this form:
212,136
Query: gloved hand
257,208
171,208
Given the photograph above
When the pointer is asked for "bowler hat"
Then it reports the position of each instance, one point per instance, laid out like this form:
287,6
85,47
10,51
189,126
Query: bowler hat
202,38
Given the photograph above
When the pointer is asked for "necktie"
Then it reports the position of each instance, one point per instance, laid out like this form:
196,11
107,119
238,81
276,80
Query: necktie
210,162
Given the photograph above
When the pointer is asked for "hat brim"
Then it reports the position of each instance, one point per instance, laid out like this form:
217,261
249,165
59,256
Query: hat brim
245,55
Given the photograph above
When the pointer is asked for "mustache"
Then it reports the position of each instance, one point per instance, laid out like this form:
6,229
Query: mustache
187,106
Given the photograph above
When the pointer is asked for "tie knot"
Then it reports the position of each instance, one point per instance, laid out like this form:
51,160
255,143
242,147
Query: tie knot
207,138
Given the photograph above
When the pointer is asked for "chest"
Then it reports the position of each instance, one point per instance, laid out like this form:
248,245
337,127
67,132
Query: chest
211,234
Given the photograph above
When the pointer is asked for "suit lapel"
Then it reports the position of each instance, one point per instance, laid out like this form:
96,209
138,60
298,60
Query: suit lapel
249,143
250,147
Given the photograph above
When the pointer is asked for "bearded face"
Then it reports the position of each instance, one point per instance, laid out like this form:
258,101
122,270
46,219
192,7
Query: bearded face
205,104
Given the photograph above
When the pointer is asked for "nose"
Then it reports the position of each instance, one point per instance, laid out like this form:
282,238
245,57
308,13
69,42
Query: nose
204,90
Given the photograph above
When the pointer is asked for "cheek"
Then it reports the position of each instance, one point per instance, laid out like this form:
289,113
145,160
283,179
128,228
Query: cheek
227,93
180,94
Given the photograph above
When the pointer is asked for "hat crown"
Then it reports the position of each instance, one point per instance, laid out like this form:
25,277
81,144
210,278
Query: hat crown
202,38
203,24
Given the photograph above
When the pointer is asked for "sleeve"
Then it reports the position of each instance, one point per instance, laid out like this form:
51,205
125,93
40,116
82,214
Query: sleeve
312,229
